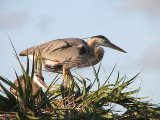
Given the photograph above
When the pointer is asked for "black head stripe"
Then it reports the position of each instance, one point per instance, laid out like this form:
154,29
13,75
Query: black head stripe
99,36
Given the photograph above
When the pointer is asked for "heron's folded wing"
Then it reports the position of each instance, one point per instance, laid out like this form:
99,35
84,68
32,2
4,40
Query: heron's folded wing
47,47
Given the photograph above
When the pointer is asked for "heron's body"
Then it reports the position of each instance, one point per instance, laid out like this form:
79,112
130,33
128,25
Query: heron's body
67,53
38,82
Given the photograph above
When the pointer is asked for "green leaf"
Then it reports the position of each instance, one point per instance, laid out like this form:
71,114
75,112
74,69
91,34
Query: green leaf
32,117
5,80
17,116
109,75
8,94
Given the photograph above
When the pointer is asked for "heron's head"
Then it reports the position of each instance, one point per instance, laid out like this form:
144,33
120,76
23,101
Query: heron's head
103,41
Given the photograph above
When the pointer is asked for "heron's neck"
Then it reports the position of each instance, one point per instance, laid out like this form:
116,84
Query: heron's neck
92,42
96,55
99,52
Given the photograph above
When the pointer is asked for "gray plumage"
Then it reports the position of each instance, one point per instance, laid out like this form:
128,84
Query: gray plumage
68,53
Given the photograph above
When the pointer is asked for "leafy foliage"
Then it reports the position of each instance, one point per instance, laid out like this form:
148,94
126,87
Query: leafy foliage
75,100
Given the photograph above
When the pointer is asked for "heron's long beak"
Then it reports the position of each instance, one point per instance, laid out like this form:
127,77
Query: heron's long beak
111,45
40,82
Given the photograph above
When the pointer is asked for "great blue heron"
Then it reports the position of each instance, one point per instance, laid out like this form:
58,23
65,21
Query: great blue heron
67,53
38,82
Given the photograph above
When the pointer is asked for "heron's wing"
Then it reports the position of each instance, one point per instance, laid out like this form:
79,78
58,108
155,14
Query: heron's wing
71,52
66,53
57,51
49,47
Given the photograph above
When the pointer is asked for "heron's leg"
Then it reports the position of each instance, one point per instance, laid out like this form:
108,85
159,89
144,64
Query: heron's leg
67,74
63,75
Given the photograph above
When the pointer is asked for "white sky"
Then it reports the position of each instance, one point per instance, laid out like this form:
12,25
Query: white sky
133,25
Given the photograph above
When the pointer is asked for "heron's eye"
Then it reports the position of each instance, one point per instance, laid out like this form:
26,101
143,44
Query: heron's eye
82,50
97,45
